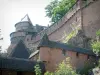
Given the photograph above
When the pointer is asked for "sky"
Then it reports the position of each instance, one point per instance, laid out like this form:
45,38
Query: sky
12,11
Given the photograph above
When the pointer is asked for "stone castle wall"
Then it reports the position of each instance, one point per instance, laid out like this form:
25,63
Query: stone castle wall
91,19
74,18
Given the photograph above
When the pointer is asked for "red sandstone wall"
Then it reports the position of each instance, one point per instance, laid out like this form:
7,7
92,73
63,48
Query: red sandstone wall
53,56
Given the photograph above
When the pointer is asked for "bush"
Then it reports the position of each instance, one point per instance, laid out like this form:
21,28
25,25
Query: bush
96,47
64,68
87,68
37,70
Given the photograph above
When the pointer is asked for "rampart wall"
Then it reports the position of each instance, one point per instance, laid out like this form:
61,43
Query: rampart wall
88,16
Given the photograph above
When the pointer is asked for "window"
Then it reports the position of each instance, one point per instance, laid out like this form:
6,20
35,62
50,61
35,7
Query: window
77,54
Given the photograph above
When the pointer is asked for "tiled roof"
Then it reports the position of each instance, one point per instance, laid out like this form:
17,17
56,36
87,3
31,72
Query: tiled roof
52,44
18,64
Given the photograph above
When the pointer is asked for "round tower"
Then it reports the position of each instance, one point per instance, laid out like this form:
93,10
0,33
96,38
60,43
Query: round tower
23,28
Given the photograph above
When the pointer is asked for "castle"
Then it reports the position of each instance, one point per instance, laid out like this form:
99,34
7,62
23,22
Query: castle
48,43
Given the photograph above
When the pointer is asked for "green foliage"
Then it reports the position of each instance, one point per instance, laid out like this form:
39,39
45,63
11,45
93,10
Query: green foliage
57,9
98,33
50,7
64,68
96,47
96,44
49,73
87,68
37,70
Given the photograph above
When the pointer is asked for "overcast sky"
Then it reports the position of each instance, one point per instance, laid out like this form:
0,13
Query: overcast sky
11,12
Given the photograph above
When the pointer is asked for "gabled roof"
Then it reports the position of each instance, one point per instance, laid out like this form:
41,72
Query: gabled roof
18,64
20,51
45,42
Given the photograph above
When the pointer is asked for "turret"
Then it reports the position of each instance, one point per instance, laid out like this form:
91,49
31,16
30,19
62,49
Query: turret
23,28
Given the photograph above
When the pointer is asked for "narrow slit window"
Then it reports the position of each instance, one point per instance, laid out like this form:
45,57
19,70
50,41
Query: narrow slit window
77,54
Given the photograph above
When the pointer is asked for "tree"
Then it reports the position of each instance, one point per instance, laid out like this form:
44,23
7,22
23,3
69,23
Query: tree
57,9
49,9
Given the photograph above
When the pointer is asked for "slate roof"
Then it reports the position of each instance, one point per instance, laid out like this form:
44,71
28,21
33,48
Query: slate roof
10,48
52,44
18,64
20,51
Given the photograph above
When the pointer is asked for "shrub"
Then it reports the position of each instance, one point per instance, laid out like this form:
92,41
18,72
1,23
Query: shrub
64,68
37,70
